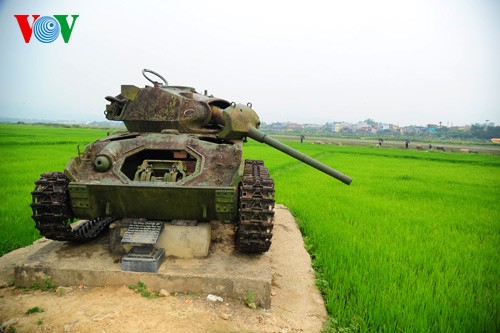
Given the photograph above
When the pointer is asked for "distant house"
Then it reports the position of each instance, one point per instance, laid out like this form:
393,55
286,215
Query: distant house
432,128
342,127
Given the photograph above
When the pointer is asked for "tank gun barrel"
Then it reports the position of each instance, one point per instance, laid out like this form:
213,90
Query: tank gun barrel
241,121
264,138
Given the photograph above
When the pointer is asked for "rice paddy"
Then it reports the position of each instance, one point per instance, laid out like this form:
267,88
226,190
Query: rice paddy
413,244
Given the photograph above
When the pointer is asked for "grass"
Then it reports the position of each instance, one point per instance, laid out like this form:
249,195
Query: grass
249,300
411,245
45,285
35,309
143,290
28,151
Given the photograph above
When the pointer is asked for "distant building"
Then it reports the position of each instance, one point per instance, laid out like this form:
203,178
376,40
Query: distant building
432,128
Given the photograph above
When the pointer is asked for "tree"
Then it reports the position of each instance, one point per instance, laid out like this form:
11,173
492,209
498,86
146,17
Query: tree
484,132
477,131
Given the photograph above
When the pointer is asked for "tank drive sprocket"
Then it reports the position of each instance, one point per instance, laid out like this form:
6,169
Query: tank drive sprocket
255,214
52,211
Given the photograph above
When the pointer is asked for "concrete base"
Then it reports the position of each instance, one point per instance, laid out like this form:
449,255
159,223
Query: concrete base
177,240
185,241
222,273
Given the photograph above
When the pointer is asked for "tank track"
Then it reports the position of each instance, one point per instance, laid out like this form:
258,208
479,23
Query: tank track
256,209
52,211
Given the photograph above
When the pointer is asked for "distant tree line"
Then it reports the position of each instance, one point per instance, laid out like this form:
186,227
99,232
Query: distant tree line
370,127
484,132
102,125
50,124
476,131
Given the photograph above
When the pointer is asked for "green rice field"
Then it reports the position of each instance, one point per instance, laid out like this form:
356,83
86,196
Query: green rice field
27,151
413,244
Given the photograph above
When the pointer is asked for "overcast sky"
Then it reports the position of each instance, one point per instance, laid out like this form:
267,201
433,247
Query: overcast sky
400,62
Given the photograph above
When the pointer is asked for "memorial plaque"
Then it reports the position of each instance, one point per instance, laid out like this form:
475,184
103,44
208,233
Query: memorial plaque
142,232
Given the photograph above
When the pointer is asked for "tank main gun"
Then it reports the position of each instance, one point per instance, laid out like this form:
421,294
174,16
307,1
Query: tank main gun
241,121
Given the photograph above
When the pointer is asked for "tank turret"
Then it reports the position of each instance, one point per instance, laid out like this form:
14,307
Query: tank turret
163,107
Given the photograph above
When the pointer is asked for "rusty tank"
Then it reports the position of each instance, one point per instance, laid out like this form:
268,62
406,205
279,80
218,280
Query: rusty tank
180,159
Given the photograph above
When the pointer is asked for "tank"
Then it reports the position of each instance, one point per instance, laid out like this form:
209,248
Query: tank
179,160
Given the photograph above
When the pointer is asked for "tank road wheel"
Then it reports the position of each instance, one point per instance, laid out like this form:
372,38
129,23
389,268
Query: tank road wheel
256,209
52,211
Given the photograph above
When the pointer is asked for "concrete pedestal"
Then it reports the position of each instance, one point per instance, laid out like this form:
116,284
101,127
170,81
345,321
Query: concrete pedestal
223,273
177,240
296,306
185,241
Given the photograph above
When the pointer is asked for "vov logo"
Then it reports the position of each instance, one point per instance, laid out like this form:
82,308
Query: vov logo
46,28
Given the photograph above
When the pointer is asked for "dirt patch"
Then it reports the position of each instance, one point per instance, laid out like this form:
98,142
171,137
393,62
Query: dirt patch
296,305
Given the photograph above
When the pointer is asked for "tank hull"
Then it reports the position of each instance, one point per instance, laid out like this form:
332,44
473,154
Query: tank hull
156,176
89,201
